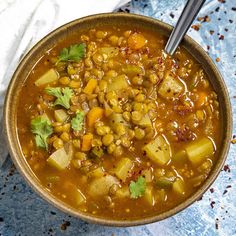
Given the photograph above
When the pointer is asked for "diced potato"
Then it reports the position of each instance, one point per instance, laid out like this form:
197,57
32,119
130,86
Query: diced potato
148,196
199,151
100,186
145,121
79,197
147,174
170,87
161,195
60,159
123,192
97,173
108,52
158,150
122,168
116,118
179,187
132,70
118,83
47,78
60,115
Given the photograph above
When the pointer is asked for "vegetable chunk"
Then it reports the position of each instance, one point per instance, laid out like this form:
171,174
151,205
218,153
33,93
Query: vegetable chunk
158,150
95,114
178,186
200,150
118,83
79,197
101,186
145,121
148,196
170,87
91,85
122,192
60,159
87,142
60,115
47,78
108,52
123,167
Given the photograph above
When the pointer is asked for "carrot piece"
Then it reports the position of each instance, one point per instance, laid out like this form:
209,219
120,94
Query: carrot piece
136,41
95,114
202,99
91,85
87,142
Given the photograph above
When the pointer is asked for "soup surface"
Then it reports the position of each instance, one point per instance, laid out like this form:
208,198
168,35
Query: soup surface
113,126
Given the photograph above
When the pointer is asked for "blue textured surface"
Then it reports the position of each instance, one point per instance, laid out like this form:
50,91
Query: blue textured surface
22,212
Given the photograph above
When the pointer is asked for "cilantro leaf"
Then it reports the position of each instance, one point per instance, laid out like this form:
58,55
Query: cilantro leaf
74,52
78,121
63,95
42,130
137,189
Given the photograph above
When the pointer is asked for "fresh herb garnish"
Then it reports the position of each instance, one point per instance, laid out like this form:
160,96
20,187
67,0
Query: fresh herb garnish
74,52
63,95
137,189
78,121
42,130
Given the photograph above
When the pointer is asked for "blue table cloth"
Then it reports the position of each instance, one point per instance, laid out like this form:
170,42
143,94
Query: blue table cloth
23,212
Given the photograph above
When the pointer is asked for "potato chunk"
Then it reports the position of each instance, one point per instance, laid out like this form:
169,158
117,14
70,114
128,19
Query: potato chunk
158,150
101,186
123,167
60,159
61,115
47,78
200,150
170,87
118,83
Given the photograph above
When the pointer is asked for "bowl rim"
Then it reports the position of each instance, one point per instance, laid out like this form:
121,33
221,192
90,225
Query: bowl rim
42,192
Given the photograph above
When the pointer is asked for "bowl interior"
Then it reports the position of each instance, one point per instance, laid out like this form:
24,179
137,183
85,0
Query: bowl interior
119,19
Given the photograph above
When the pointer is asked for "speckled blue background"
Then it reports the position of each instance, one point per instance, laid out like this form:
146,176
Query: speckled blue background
22,212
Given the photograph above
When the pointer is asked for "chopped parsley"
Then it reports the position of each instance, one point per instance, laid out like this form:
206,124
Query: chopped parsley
74,52
42,130
78,121
137,189
63,95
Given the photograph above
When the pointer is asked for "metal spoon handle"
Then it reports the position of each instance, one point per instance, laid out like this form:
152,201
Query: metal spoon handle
186,18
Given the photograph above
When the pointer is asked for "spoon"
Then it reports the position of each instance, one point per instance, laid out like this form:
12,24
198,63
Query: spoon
187,16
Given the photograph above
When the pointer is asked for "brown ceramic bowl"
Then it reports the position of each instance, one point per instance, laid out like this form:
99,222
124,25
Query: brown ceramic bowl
13,101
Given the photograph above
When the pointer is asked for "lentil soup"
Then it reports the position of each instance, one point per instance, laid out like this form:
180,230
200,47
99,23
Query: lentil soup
114,127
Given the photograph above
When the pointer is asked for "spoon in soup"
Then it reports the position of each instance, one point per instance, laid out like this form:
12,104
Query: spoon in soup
187,16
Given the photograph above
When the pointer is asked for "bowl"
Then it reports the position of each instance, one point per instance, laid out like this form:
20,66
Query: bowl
12,101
